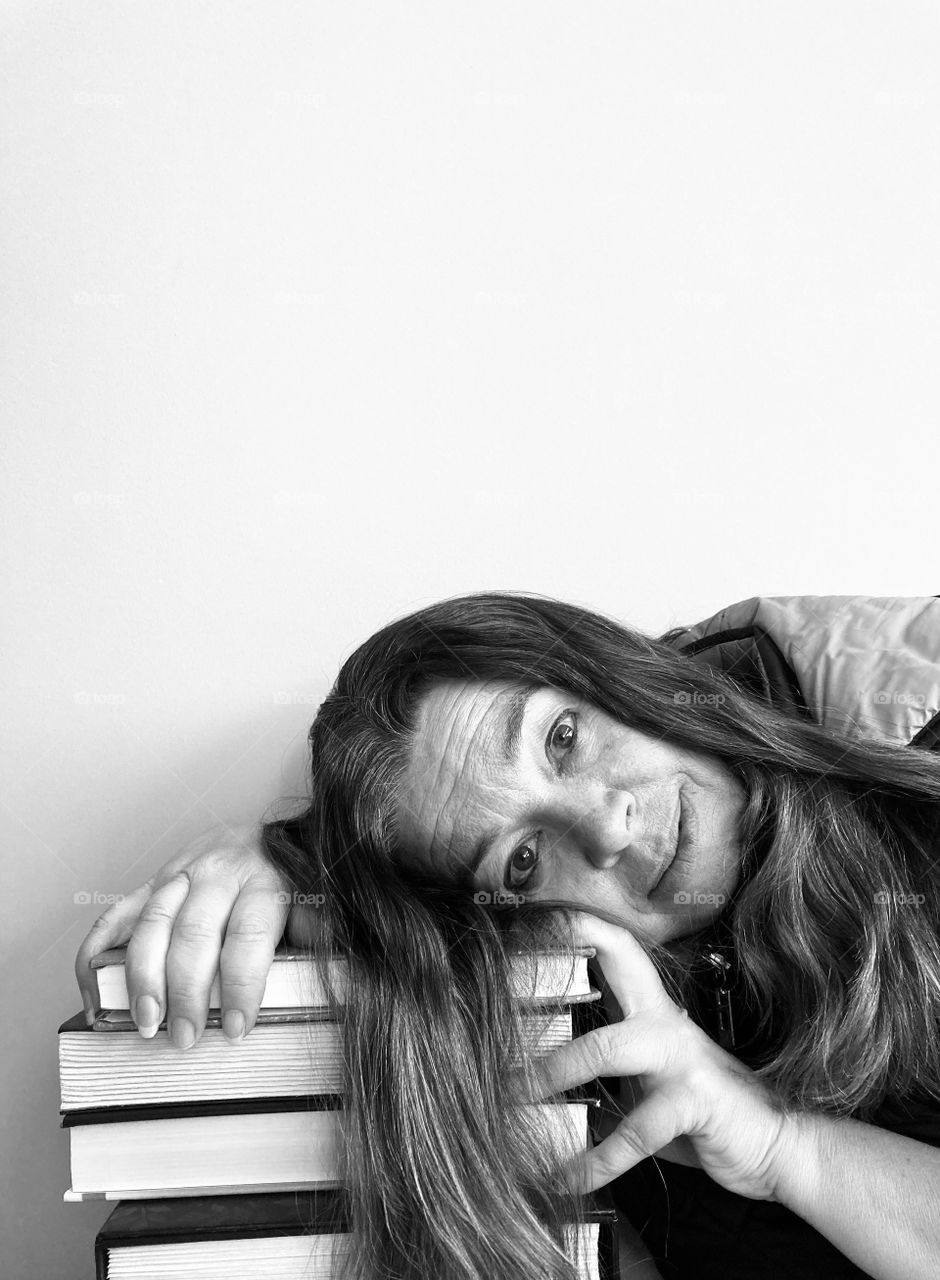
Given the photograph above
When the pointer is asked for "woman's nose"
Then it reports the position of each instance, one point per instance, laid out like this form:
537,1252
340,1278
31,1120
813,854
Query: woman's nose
605,827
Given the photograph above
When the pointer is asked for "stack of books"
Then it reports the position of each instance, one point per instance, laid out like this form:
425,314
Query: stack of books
225,1158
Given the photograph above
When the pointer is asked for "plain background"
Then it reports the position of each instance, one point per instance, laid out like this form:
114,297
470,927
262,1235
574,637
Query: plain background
316,313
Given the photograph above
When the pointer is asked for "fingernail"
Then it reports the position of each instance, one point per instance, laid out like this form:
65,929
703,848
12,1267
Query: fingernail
233,1024
147,1016
182,1033
89,1008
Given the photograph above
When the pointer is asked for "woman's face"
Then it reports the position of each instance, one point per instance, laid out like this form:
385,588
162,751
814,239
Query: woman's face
542,795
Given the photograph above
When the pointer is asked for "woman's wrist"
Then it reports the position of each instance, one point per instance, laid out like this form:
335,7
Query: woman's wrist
798,1158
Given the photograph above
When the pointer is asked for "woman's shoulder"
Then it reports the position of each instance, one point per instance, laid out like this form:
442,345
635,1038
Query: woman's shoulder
864,666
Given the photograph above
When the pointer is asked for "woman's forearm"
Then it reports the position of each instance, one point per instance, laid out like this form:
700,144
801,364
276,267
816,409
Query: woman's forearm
874,1194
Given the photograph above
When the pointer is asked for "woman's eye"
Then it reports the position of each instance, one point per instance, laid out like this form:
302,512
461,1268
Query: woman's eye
520,864
563,735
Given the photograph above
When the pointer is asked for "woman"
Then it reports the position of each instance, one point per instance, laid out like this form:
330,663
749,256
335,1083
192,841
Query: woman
715,795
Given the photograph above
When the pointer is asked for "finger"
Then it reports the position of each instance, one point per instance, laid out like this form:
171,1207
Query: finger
622,1049
626,1100
192,960
251,936
305,927
653,1125
630,973
112,929
145,964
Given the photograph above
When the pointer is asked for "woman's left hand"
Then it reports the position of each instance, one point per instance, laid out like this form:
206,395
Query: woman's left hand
692,1090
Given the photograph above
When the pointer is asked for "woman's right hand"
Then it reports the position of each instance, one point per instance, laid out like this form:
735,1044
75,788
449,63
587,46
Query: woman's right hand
217,906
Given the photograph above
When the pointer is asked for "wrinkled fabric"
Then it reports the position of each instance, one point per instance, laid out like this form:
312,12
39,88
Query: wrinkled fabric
863,666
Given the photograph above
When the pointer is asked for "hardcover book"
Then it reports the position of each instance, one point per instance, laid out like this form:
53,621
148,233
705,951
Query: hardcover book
294,981
278,1236
246,1144
283,1055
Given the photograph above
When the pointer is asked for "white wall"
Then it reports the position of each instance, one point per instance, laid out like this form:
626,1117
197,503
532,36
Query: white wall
316,313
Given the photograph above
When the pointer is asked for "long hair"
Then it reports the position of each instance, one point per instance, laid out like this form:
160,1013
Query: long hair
834,925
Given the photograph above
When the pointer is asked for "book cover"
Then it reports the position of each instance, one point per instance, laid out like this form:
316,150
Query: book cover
212,1220
278,1058
294,980
237,1144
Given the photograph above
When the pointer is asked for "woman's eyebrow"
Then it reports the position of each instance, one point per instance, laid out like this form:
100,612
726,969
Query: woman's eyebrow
482,848
511,736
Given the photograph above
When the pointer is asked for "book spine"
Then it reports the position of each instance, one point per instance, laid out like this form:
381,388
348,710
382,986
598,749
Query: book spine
208,1107
299,979
608,1252
172,1193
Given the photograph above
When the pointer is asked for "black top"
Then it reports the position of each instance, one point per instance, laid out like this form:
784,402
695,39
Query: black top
696,1230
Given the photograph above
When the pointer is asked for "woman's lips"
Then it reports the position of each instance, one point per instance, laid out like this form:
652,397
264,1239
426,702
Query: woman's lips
678,846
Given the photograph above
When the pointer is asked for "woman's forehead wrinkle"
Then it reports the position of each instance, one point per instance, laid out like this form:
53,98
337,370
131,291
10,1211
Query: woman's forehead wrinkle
467,762
445,769
426,762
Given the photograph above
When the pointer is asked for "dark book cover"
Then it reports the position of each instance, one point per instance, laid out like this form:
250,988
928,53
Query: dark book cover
261,1213
75,1023
111,1020
281,1213
220,1107
197,1218
587,1093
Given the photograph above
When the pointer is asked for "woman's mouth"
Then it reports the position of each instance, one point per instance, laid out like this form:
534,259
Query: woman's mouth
678,848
